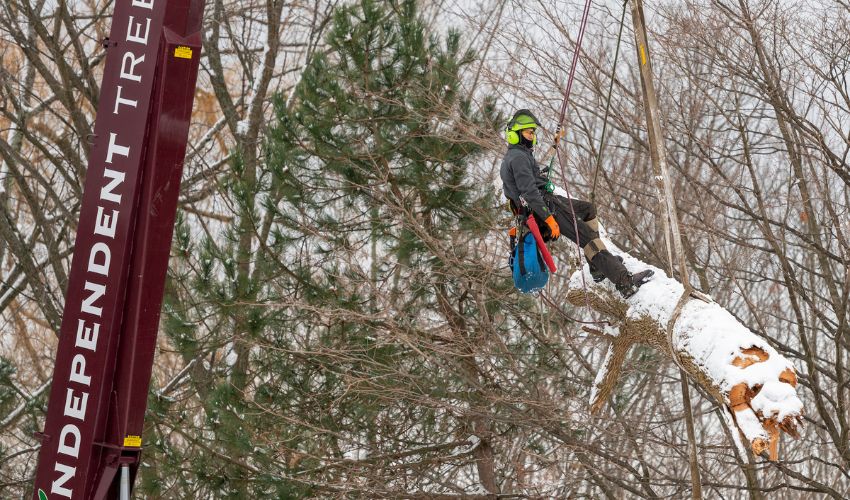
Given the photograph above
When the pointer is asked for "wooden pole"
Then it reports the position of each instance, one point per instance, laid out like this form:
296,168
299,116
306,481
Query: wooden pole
657,148
672,232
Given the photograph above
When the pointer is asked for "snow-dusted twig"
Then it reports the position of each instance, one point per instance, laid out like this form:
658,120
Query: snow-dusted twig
14,414
177,378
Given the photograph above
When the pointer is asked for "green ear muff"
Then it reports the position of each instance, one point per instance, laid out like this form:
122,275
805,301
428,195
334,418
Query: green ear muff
510,134
513,137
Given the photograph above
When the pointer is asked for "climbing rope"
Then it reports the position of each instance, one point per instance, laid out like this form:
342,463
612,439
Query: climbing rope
563,114
571,77
608,105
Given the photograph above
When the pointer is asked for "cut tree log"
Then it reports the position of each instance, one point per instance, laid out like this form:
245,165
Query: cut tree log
735,366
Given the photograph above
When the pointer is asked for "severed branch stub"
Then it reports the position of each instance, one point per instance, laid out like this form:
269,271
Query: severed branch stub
738,368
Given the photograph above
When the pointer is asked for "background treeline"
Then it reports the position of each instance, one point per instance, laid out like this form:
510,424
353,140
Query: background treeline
339,319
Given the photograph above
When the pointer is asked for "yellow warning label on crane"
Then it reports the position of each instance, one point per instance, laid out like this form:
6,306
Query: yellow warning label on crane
133,441
642,56
183,52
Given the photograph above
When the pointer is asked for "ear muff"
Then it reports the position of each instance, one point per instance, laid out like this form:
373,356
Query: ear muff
510,135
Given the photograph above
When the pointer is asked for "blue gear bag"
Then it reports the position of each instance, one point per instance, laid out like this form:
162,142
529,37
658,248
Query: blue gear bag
530,273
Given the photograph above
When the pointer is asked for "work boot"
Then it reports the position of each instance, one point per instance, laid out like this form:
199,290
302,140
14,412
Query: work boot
635,281
598,275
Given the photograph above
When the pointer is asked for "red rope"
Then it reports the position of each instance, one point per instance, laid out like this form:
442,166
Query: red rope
571,77
563,114
578,244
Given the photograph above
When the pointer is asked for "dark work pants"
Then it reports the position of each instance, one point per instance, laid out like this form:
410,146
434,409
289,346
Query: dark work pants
603,261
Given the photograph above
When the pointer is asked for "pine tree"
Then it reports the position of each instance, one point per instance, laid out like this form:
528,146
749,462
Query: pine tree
373,157
307,315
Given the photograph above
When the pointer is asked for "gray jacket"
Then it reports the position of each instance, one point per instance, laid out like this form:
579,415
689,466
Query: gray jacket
522,180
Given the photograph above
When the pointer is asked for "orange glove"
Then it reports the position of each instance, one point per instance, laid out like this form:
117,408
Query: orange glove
554,230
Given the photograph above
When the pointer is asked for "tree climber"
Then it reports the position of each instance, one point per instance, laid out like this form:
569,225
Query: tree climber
530,192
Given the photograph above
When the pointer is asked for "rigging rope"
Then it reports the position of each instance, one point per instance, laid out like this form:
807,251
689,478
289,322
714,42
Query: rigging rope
571,77
608,104
563,113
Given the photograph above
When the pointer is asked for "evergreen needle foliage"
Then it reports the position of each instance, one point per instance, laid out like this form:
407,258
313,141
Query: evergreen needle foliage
333,317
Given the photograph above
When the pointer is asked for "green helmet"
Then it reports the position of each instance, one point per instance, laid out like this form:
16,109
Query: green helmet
522,119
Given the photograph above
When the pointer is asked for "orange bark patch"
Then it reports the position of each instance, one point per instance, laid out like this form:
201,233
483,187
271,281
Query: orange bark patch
738,399
751,356
773,444
757,352
759,445
789,425
789,377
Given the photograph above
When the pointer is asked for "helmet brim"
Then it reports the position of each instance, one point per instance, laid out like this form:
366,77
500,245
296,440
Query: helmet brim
523,119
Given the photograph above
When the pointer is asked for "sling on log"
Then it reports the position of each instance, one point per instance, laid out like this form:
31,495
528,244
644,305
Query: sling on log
739,369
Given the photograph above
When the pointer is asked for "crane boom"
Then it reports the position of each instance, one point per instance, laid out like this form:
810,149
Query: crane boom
107,338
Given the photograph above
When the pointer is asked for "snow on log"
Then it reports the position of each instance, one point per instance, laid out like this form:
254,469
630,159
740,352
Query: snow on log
734,365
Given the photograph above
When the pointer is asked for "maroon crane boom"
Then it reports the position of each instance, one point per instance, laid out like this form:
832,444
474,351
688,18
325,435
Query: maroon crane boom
107,339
